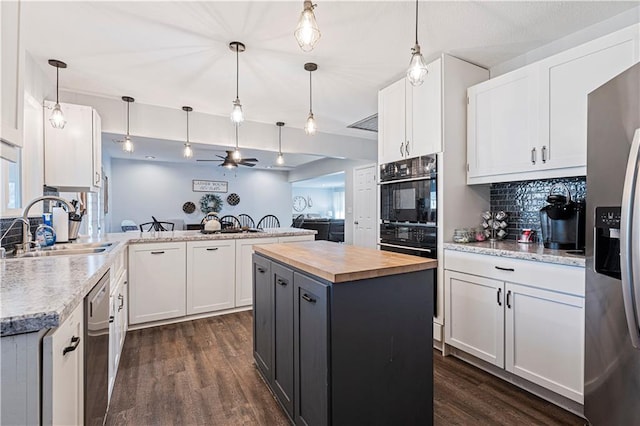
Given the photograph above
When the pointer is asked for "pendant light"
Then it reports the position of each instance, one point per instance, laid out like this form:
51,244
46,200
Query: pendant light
307,33
57,118
280,159
310,126
417,66
237,116
127,145
236,154
188,151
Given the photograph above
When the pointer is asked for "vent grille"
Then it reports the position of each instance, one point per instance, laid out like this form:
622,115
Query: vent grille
369,124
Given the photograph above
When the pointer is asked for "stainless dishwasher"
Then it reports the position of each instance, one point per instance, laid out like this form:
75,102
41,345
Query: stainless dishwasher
96,353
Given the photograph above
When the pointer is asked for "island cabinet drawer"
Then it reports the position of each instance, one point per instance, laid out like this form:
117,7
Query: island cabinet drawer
560,278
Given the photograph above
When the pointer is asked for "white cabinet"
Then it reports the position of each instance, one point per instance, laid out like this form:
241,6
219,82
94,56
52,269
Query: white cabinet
157,281
63,372
526,317
570,76
502,124
531,123
410,118
72,156
210,276
12,75
119,321
244,268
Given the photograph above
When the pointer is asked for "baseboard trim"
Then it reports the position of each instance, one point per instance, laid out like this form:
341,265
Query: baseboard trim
188,318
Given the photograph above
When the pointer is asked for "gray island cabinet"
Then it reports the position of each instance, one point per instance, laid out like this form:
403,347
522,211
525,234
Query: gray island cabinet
343,335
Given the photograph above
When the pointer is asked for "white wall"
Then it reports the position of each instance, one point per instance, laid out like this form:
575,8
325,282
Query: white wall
329,166
322,200
140,189
625,19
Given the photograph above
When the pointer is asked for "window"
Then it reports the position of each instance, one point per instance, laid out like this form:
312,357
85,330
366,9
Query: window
11,187
338,204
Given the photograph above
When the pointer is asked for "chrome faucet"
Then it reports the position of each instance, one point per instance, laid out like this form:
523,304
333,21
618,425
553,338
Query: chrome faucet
26,234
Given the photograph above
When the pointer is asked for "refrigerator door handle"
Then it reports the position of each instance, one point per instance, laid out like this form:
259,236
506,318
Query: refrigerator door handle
630,243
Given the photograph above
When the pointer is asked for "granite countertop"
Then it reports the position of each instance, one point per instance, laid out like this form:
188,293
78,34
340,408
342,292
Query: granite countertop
38,293
515,250
341,262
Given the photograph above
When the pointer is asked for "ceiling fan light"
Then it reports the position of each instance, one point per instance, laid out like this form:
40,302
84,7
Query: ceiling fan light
236,155
188,151
280,159
310,126
417,70
307,32
57,117
127,145
237,116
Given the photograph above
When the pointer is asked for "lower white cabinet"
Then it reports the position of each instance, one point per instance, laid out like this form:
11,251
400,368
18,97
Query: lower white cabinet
244,268
63,372
526,317
158,279
210,276
119,322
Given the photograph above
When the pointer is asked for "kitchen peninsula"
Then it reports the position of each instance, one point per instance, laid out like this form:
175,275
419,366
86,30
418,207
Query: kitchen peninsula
343,334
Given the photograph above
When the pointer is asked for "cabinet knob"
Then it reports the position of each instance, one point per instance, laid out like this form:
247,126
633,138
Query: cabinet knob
509,299
499,298
75,341
281,282
262,270
356,222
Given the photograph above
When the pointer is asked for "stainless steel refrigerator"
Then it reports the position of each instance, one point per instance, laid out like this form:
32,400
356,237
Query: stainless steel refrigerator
612,306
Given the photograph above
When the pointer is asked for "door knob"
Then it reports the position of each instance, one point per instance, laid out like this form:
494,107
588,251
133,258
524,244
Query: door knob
355,223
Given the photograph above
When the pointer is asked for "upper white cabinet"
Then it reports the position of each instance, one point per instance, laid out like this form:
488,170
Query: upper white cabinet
157,281
502,124
526,317
12,85
72,156
570,76
210,275
532,123
410,118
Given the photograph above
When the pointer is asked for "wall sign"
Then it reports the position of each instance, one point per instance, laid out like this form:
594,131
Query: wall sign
210,186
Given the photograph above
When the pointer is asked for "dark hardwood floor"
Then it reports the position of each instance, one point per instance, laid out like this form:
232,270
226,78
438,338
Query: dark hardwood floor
202,373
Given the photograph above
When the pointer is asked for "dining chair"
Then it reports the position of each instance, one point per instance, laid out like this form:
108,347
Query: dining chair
268,221
246,221
156,226
229,221
298,221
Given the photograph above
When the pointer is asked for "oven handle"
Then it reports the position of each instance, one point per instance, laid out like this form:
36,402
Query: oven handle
406,247
407,180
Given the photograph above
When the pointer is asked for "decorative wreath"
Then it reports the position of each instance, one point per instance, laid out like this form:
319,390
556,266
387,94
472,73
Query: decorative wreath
210,203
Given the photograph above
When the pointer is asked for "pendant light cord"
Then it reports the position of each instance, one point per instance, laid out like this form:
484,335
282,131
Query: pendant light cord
187,126
57,82
128,118
280,140
237,71
416,21
236,137
310,95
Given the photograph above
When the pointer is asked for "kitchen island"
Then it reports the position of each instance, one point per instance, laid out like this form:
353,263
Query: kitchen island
343,334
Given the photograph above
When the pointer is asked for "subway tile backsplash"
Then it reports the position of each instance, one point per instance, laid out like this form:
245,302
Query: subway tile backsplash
14,236
522,200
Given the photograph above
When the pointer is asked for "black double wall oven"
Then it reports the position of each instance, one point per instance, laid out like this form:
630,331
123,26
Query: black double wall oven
409,207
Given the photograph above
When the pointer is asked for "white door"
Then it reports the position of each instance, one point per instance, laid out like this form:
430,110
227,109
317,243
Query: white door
544,338
474,315
391,123
365,207
210,276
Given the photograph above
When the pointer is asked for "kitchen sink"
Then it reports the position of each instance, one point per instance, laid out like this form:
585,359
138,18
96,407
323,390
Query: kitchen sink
66,249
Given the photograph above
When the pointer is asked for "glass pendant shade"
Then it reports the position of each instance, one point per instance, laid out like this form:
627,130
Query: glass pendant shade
237,116
127,145
310,126
57,118
417,70
307,33
280,159
188,151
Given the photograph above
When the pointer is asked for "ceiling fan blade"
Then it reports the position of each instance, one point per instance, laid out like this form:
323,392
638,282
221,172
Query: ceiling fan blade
242,163
208,160
250,159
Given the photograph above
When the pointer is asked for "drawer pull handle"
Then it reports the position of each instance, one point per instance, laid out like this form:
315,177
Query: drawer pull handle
111,319
157,252
262,270
282,282
75,341
212,249
121,299
509,299
499,294
309,299
505,269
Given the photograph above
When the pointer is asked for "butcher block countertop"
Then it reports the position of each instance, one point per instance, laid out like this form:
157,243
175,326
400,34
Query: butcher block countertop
339,263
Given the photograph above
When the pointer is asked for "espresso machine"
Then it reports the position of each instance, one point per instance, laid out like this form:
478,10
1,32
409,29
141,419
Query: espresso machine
563,221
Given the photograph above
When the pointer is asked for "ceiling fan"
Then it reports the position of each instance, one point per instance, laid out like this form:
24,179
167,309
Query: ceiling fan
229,162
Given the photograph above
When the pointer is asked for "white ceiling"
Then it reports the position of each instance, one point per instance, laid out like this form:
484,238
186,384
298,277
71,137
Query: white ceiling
332,181
176,53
